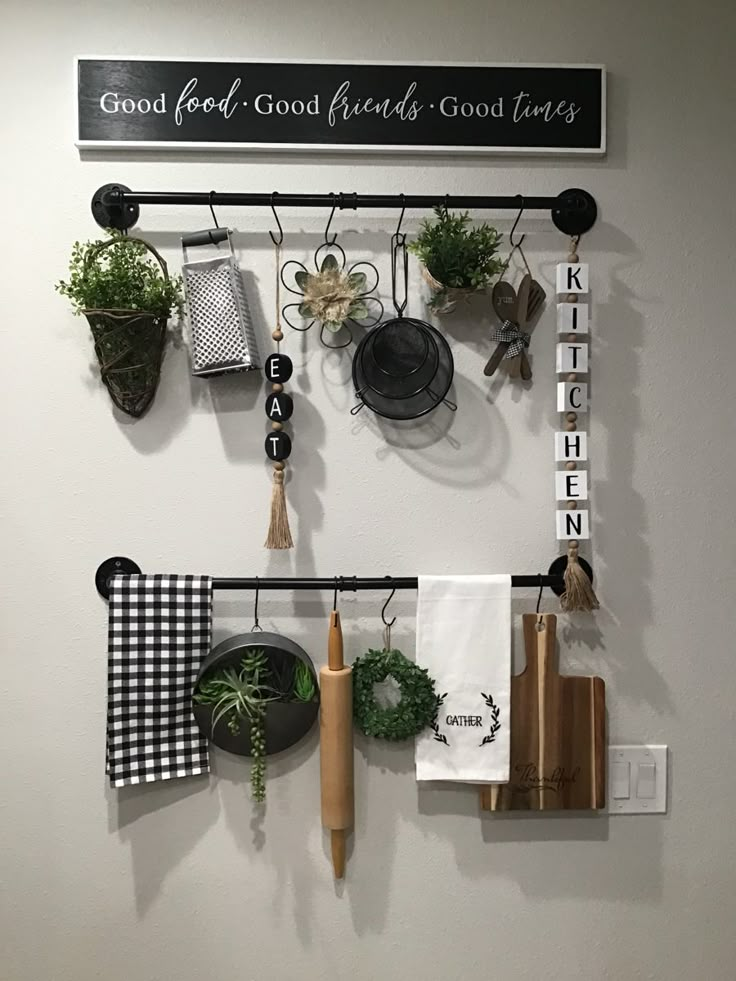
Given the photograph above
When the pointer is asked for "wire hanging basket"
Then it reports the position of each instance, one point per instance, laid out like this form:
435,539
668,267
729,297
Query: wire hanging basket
221,330
129,344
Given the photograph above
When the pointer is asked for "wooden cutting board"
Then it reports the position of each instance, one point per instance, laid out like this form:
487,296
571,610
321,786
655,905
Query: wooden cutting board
558,733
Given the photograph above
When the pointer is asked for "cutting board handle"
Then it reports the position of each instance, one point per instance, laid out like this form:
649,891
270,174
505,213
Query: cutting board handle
539,645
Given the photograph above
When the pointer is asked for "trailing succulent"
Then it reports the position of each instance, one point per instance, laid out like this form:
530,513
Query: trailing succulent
123,276
242,693
457,255
332,295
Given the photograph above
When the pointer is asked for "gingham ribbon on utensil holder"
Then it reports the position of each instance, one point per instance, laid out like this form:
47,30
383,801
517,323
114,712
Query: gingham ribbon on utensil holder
511,334
160,628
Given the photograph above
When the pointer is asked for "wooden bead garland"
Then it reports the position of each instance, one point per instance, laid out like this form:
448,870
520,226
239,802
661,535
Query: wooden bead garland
279,407
571,447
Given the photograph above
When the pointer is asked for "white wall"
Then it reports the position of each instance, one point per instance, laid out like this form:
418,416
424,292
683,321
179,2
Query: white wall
180,881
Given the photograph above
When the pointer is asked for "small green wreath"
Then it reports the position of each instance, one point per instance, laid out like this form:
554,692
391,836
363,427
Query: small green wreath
418,702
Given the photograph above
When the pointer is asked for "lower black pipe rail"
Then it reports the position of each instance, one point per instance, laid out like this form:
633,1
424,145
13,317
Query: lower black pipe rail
119,565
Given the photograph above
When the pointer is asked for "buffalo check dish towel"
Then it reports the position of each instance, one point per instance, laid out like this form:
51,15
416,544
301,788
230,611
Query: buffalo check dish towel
464,641
160,628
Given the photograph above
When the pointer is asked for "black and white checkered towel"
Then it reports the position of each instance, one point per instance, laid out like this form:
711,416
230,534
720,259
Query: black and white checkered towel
160,628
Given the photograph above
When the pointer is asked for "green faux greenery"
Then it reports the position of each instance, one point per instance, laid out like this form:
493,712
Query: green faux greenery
123,276
243,693
418,704
457,254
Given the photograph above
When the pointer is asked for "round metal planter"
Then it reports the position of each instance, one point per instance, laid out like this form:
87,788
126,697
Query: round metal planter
286,722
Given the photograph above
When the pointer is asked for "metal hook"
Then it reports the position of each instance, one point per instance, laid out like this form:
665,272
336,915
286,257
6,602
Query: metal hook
517,245
539,600
329,222
383,610
334,596
256,626
387,623
401,218
280,239
212,210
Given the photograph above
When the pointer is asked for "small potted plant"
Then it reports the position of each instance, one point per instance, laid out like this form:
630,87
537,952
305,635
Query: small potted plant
457,258
122,287
256,695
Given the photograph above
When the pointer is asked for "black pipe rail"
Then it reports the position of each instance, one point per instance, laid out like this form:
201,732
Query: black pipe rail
573,211
120,565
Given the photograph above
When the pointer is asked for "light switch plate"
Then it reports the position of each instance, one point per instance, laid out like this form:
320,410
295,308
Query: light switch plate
644,768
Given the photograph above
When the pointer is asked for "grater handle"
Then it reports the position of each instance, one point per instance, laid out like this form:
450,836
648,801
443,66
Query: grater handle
209,236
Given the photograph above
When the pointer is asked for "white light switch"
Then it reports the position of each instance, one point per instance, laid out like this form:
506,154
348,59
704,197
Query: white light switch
646,781
637,779
621,780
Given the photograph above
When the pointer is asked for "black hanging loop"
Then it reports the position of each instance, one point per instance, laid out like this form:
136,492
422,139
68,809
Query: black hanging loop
280,239
212,210
256,626
329,222
517,245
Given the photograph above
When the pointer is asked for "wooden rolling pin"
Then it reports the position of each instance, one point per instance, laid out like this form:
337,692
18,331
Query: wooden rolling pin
336,745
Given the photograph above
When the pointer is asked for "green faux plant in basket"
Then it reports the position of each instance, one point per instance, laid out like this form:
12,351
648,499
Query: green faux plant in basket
457,258
122,286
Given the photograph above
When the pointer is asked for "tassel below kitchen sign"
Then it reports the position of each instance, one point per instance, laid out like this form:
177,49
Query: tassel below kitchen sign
279,407
571,446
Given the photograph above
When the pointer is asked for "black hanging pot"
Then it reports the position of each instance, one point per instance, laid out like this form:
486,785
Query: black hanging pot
403,368
286,722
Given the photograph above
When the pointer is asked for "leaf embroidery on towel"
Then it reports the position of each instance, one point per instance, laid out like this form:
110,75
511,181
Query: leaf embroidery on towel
495,724
435,725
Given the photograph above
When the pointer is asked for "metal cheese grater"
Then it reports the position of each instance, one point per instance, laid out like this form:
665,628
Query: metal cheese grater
222,338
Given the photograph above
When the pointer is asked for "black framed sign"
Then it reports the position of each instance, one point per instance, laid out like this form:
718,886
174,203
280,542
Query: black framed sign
307,105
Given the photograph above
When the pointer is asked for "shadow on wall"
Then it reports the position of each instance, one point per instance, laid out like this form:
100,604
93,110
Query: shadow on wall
143,817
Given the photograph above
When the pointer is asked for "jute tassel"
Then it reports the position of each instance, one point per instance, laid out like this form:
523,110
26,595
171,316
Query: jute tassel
579,596
279,533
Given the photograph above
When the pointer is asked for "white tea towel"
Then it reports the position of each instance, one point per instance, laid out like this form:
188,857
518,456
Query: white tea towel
464,641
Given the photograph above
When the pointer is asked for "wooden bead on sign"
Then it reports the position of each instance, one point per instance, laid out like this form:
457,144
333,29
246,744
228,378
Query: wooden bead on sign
278,335
571,465
572,505
279,466
571,426
571,416
278,446
277,388
573,257
572,377
278,426
278,368
279,407
572,297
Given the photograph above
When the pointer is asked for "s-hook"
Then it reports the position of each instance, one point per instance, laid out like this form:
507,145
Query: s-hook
517,245
539,600
329,222
256,626
388,623
212,210
397,233
279,241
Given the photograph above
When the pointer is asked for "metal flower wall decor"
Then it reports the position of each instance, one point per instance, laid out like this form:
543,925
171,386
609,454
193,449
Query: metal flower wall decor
335,295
